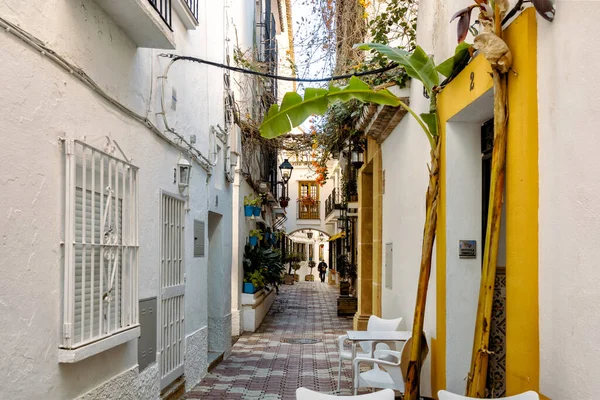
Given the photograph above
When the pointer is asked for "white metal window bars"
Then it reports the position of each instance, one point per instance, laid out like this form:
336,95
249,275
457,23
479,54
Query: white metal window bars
100,277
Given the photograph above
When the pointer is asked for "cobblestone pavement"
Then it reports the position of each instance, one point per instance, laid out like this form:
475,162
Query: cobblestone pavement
263,366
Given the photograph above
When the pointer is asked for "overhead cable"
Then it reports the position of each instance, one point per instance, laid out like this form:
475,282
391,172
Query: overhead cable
175,57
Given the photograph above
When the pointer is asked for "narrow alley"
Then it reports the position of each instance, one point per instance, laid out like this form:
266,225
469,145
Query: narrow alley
264,365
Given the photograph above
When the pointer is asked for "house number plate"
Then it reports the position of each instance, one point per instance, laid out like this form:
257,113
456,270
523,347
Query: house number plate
467,248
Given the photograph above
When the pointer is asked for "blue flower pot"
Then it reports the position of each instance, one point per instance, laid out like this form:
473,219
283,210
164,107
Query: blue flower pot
256,211
248,210
249,288
268,236
253,240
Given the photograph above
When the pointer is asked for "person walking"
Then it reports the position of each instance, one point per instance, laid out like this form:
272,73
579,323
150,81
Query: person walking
322,270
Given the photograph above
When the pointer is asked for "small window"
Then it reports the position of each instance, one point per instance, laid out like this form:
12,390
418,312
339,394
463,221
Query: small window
101,246
308,201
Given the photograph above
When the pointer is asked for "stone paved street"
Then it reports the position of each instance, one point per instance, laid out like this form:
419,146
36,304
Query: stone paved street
263,366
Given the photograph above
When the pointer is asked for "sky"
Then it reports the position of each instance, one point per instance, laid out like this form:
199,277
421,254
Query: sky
306,23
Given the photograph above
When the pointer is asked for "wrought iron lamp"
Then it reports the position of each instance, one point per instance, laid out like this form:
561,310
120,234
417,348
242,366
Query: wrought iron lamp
286,171
357,154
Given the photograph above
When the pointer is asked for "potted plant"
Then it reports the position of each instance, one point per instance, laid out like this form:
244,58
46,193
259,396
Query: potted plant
347,273
261,267
257,208
347,304
253,282
255,236
311,265
284,201
296,267
272,267
250,203
290,258
308,200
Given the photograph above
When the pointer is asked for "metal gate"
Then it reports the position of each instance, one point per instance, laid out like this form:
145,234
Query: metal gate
172,282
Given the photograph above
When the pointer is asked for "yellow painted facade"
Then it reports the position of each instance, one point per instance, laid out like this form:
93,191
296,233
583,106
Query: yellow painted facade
521,198
370,199
469,85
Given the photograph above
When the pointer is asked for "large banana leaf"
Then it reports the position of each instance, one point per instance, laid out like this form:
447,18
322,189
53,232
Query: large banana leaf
294,110
454,64
417,64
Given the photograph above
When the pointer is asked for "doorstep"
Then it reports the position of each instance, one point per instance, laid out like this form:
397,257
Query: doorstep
214,358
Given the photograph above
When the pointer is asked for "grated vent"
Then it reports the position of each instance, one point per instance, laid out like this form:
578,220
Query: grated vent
300,341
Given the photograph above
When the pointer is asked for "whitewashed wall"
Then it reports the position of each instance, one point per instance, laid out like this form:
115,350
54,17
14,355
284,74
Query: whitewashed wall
41,102
405,158
405,155
569,278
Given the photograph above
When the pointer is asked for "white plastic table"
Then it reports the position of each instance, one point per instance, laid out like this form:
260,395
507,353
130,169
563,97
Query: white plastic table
375,336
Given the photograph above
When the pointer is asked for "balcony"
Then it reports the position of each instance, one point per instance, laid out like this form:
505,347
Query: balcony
333,202
146,22
187,10
308,210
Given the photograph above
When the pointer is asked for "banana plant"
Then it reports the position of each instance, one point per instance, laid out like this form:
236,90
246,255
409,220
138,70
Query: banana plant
418,65
294,110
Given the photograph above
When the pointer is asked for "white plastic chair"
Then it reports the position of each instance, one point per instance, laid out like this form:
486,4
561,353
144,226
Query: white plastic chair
375,324
530,395
389,368
306,394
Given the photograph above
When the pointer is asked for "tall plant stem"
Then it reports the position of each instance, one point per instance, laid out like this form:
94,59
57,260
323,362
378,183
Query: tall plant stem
418,349
479,361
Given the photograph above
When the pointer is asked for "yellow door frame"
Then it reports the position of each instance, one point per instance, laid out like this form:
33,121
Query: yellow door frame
521,198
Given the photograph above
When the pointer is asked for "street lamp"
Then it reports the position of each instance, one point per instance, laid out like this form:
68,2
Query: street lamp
286,171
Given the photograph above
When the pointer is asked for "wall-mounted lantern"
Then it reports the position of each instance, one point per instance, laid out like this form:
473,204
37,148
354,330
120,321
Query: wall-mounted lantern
182,173
309,234
286,170
357,154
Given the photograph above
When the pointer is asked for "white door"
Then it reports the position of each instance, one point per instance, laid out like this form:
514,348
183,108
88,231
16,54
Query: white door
172,282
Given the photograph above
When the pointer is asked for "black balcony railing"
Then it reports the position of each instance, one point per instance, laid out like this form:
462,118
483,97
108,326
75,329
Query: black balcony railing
163,7
333,202
193,6
308,210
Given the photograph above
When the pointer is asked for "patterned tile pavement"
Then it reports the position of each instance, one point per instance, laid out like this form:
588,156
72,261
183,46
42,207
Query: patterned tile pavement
262,366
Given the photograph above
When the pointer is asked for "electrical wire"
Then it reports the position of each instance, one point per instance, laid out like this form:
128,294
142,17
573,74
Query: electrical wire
278,77
79,74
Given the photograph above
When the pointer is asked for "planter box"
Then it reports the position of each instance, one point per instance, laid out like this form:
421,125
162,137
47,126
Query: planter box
344,288
249,288
288,279
347,305
255,307
248,210
309,278
257,211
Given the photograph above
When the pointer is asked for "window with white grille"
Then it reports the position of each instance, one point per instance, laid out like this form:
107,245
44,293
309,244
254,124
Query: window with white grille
100,286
